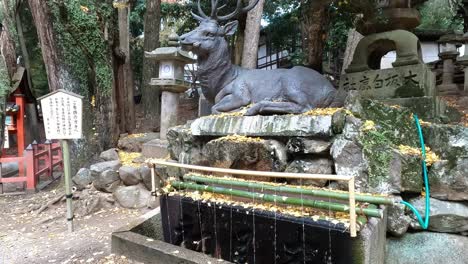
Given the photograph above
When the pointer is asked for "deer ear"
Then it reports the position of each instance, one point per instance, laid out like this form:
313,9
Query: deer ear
231,28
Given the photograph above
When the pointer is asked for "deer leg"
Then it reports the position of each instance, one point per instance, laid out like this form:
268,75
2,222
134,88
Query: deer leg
268,107
229,103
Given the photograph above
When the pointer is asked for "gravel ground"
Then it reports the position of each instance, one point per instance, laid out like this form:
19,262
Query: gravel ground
28,237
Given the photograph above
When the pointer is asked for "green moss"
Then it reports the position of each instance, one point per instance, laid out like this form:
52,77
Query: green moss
377,149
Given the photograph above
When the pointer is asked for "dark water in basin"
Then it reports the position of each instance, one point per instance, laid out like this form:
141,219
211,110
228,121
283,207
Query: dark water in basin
240,235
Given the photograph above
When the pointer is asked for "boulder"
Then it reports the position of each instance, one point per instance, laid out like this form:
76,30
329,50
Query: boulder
308,146
130,175
110,154
98,168
145,173
377,168
156,148
82,179
397,221
449,180
107,181
245,153
183,146
134,143
264,126
313,166
446,217
136,196
427,247
450,142
349,160
9,168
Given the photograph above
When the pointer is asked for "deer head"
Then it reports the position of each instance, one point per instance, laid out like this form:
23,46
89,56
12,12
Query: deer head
210,34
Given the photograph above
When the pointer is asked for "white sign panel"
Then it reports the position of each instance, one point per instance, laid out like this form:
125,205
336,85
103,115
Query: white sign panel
6,138
166,70
62,112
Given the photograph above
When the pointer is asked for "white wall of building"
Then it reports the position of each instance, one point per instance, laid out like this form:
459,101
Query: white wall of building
430,53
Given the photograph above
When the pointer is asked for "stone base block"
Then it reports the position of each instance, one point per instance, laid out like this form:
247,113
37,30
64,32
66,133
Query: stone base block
155,149
448,89
264,126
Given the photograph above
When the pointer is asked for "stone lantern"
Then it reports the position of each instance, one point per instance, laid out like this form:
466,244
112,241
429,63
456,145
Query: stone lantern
448,53
463,60
172,61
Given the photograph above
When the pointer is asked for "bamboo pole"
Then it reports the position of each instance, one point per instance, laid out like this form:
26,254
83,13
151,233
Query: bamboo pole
269,174
352,209
290,189
67,176
276,199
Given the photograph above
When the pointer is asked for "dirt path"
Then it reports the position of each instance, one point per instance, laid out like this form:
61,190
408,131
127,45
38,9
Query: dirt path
28,237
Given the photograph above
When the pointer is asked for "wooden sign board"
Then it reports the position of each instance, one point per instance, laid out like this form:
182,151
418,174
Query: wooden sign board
62,112
6,144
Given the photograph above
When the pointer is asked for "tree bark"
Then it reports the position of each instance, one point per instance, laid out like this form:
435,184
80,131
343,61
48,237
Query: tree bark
7,47
151,95
252,36
239,41
126,76
7,44
353,39
41,15
314,19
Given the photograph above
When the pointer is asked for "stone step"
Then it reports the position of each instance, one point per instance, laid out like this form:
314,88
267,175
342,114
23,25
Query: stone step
156,148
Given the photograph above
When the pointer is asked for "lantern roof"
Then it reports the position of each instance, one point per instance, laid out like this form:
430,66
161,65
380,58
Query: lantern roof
170,53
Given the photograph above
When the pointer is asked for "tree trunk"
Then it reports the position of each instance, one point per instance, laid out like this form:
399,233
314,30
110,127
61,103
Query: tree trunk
314,19
239,41
7,47
252,36
41,16
7,44
126,78
150,95
353,39
4,92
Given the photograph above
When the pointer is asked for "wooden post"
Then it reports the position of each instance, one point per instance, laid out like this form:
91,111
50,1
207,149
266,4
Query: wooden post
35,148
352,208
153,182
50,158
31,180
68,192
1,184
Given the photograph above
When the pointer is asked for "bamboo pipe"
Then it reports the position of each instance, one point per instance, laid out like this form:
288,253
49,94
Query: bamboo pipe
277,199
289,189
268,174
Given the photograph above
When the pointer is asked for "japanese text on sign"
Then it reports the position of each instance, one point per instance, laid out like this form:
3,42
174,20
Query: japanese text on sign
62,112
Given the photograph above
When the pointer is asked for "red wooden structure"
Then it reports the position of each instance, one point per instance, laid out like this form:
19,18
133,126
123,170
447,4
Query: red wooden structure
38,160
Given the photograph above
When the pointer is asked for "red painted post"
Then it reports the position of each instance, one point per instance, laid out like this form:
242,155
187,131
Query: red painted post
20,101
50,158
31,180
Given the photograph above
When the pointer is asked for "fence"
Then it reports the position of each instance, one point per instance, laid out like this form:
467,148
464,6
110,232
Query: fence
38,160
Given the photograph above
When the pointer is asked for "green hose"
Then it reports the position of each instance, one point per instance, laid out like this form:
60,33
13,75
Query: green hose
424,223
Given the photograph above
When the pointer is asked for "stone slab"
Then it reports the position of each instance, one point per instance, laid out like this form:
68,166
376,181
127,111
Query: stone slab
141,240
155,149
264,126
428,248
399,82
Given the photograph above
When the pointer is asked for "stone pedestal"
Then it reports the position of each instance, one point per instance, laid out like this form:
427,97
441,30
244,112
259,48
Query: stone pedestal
204,106
464,61
448,87
169,111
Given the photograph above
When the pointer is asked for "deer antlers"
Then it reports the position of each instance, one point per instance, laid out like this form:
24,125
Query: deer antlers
215,9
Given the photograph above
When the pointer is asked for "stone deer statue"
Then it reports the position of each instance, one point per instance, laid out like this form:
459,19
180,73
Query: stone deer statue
229,87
